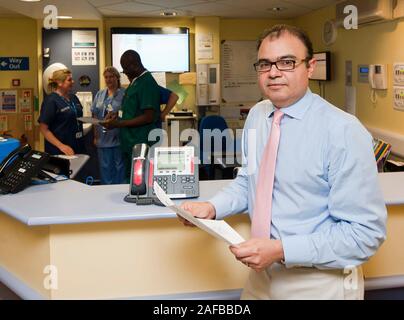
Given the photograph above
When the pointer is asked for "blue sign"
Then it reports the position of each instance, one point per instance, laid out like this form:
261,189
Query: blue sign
14,63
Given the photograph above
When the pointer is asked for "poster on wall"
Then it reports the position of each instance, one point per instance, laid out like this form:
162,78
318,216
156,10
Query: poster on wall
84,57
28,122
204,46
84,39
8,101
3,123
25,101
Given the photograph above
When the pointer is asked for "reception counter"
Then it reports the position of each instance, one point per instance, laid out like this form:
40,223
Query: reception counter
72,241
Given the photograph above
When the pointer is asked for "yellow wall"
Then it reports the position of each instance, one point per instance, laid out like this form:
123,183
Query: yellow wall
245,29
378,43
19,39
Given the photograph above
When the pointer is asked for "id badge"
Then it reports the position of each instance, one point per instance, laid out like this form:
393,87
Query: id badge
79,135
120,114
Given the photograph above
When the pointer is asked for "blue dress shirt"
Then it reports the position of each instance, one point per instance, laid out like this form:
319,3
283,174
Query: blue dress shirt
327,209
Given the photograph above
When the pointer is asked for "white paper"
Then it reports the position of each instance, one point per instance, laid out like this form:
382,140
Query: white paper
217,228
84,38
204,46
63,156
90,120
84,56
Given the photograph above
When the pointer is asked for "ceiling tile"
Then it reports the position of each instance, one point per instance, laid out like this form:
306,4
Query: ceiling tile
213,9
130,7
313,4
101,3
170,3
261,8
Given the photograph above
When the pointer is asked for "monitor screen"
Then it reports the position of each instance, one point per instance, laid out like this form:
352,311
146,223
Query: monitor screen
322,71
161,49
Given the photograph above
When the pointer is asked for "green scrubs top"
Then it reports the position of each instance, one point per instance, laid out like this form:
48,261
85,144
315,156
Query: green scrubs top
143,93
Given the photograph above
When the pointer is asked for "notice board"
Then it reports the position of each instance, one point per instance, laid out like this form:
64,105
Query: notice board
239,79
17,113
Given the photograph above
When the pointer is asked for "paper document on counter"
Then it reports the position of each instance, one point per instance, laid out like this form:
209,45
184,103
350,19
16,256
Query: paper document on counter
217,228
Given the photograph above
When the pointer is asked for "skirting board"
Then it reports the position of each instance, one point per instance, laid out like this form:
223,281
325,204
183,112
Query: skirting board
27,293
396,140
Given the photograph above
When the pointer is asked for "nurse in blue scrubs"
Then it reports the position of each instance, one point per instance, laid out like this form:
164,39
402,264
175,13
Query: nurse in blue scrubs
109,100
58,118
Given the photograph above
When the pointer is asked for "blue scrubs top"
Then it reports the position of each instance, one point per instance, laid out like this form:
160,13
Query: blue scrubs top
101,105
164,96
61,117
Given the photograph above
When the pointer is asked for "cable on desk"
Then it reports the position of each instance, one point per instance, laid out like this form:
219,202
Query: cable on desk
89,180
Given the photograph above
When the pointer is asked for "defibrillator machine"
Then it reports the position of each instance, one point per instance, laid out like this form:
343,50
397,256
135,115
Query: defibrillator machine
175,169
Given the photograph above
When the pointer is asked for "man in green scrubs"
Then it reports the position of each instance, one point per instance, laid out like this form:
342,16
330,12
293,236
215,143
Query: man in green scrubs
140,107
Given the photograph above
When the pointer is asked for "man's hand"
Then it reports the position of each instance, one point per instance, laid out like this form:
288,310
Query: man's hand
258,254
111,116
202,210
111,124
111,120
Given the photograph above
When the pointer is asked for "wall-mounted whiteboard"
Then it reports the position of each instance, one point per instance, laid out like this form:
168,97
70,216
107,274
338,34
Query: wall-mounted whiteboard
239,79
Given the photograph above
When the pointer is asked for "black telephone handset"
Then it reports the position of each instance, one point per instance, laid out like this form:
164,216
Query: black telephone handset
138,190
19,167
175,169
138,170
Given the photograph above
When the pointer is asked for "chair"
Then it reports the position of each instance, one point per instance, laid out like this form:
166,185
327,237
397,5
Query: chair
381,150
210,151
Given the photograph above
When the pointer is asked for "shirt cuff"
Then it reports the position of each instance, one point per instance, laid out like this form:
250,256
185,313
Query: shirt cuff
221,206
298,251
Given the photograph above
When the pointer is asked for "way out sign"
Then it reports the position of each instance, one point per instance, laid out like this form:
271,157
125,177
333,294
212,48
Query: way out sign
14,63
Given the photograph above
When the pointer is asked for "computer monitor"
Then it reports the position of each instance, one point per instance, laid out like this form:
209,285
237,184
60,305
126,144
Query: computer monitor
322,71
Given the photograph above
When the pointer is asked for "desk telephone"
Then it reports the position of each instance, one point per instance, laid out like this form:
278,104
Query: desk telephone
19,167
174,168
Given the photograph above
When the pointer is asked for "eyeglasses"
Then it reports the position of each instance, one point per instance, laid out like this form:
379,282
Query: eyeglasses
281,65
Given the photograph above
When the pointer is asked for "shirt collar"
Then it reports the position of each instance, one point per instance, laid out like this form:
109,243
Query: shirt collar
299,108
133,81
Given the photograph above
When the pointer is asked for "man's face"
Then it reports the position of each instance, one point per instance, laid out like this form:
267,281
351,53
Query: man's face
129,68
284,88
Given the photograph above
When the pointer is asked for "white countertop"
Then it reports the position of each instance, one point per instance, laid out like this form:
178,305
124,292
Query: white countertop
392,184
70,202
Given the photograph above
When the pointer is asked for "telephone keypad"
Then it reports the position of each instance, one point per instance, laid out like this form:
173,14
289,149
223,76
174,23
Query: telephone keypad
20,172
181,184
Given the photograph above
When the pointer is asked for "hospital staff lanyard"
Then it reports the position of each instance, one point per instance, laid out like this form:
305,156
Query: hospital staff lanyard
107,104
72,107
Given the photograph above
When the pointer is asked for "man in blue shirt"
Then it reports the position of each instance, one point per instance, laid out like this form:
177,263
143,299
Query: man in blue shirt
328,212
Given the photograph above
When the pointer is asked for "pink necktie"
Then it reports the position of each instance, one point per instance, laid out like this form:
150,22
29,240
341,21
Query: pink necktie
261,220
